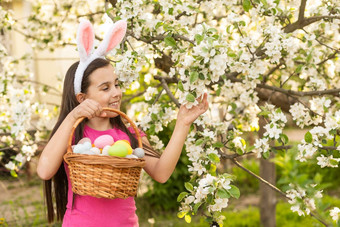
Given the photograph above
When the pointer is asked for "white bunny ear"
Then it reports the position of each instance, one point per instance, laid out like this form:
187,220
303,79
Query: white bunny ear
112,38
85,39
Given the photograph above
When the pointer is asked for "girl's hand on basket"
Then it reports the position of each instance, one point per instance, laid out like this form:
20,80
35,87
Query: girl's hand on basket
188,116
89,109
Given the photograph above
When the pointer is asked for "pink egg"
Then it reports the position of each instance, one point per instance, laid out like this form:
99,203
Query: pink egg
102,141
83,140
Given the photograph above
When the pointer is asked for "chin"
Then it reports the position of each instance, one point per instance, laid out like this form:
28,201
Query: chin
111,114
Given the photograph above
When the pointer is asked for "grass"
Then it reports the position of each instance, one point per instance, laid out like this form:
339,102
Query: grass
28,210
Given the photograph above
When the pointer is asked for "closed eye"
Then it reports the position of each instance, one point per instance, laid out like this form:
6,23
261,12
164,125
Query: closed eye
105,88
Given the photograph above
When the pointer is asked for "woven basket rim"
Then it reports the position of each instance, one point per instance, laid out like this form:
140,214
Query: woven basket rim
118,162
105,159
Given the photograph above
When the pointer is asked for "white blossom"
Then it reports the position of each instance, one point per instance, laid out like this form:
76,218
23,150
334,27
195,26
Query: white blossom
335,213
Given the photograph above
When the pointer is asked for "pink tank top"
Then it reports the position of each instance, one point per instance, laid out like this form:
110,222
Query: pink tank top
99,212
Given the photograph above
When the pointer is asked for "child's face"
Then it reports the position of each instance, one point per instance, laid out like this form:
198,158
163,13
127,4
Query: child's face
105,89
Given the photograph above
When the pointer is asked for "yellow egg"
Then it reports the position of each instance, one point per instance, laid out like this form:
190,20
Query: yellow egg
125,143
119,150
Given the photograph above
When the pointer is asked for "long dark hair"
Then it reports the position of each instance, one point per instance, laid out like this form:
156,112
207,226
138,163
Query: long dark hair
57,187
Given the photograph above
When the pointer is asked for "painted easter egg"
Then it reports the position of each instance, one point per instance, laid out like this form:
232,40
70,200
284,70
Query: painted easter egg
77,149
82,148
125,143
119,150
105,150
95,150
83,140
131,156
87,145
139,152
103,141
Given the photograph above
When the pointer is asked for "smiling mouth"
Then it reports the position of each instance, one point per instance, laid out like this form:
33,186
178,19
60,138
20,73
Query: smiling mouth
114,104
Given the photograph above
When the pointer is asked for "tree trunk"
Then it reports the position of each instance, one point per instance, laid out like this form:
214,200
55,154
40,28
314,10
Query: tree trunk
267,195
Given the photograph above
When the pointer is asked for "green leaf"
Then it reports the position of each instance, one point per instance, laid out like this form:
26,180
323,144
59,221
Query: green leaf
181,214
333,162
239,151
284,138
229,28
214,158
190,97
309,57
298,68
212,30
159,24
264,113
188,186
197,205
180,86
265,155
199,142
201,76
193,77
246,5
264,2
231,54
234,191
212,169
318,178
154,117
13,173
308,137
181,196
218,144
199,38
222,193
169,41
218,92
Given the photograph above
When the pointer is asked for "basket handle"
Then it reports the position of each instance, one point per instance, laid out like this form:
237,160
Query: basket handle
75,125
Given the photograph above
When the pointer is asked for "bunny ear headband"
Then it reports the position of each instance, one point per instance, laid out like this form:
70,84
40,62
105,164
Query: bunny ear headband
85,39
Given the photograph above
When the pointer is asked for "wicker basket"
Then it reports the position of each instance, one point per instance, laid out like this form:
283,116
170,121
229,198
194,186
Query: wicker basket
104,176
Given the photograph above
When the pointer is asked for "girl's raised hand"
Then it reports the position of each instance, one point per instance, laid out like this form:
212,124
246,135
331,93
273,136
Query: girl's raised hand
89,109
188,116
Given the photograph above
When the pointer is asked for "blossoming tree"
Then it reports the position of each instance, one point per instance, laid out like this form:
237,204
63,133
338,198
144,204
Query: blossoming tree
255,58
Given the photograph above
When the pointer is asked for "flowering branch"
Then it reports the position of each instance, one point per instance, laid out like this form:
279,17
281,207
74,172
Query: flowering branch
259,178
273,188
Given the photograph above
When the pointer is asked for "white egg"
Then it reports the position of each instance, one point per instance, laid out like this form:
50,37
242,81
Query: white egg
139,152
105,150
95,150
131,156
78,149
87,145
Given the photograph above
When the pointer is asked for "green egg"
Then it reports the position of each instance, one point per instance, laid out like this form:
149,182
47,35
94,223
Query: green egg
119,150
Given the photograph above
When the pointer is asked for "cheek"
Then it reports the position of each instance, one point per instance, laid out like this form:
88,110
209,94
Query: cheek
111,114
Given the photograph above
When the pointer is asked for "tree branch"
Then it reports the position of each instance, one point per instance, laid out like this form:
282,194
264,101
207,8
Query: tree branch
172,97
260,178
306,21
302,10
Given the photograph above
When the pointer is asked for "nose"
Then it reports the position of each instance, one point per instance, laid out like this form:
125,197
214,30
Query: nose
116,92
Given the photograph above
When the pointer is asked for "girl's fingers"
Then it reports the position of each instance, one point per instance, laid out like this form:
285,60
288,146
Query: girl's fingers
95,108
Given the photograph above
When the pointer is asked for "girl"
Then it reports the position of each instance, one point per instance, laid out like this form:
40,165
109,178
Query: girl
98,88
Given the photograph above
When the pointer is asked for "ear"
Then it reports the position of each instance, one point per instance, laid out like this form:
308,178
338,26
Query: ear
85,38
80,97
112,38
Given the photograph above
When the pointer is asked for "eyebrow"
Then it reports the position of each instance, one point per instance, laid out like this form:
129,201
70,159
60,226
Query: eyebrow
107,82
